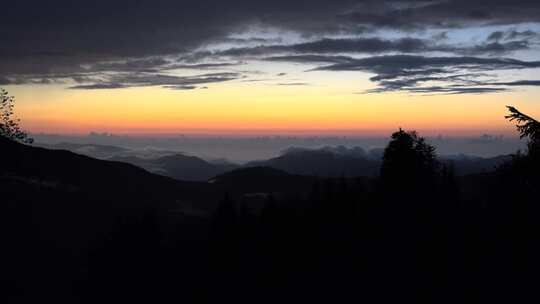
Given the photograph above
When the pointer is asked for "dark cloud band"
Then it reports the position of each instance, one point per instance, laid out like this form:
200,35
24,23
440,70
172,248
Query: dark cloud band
124,43
409,73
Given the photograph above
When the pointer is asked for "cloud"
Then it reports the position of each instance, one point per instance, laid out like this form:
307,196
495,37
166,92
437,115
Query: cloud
486,139
454,90
376,46
140,65
251,40
39,36
440,36
310,58
511,35
496,36
397,64
524,34
4,81
414,15
457,75
98,86
497,48
517,83
327,45
123,43
126,80
203,66
35,79
293,84
182,87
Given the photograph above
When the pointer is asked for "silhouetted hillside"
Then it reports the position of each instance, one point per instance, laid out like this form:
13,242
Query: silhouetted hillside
464,165
178,166
60,210
337,162
92,150
322,163
95,178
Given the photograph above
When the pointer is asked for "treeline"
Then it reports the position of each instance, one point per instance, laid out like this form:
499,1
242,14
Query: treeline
412,236
416,234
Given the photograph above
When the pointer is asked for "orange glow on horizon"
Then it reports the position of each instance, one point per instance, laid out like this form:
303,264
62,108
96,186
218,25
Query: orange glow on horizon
247,109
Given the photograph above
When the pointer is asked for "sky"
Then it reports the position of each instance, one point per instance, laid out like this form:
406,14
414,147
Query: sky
238,67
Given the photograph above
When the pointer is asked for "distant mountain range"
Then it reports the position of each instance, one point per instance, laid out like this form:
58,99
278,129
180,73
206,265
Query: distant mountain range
322,163
73,199
40,174
328,161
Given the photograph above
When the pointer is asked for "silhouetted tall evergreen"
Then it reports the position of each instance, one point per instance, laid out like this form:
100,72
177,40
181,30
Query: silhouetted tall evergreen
409,166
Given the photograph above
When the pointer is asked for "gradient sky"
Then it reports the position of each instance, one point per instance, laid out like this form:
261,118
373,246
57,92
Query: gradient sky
287,67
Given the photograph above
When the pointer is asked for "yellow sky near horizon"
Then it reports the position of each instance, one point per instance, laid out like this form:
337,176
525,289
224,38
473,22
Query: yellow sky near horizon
239,108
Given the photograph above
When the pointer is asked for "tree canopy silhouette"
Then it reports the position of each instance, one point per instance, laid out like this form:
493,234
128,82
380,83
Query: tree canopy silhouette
408,161
9,126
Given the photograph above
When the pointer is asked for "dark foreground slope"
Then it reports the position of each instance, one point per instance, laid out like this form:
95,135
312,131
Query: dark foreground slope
253,180
92,177
78,230
69,222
